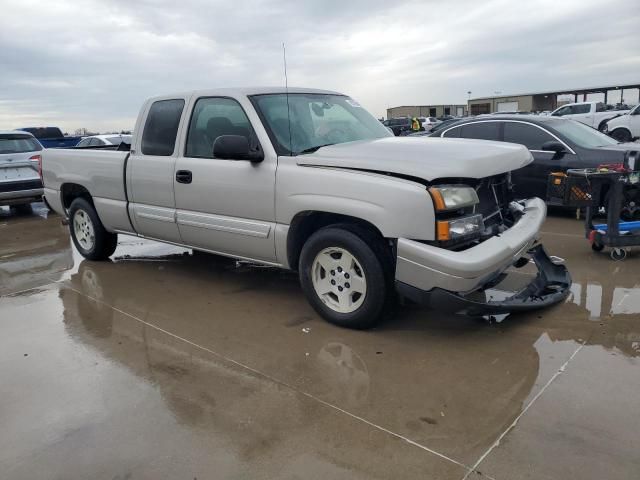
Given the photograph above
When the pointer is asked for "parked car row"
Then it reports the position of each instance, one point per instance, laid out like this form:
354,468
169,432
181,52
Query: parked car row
403,125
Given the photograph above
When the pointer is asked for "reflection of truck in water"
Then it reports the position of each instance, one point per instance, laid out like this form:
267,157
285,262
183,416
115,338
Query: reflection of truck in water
40,251
497,384
344,375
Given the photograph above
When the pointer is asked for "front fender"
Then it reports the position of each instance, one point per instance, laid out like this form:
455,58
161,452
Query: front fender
395,206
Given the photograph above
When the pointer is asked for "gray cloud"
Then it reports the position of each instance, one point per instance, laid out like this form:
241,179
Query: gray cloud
92,63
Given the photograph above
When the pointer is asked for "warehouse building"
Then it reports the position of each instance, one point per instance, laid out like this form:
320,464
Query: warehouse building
426,111
539,102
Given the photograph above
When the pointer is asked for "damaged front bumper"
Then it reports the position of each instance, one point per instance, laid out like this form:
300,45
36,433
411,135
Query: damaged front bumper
550,285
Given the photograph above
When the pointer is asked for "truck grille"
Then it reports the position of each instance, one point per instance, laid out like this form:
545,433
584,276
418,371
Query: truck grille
494,195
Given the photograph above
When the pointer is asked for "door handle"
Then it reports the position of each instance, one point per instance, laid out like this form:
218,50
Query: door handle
184,176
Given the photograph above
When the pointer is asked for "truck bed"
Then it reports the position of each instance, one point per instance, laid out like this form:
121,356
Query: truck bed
99,171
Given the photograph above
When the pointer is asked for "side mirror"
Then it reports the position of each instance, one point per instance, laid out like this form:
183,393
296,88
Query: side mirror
235,147
553,146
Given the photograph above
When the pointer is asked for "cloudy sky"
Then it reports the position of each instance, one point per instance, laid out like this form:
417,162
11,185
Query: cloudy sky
92,63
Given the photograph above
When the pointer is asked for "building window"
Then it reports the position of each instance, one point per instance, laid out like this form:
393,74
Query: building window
447,110
480,108
432,112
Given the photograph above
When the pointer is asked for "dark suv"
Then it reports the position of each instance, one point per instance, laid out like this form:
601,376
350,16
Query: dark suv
398,125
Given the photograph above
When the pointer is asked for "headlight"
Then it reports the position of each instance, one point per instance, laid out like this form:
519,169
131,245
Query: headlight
459,228
453,197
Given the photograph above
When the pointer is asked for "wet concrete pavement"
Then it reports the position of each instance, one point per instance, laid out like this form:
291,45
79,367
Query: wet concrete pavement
165,364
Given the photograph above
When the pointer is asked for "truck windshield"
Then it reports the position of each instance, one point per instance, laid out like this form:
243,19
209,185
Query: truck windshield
583,135
18,143
317,120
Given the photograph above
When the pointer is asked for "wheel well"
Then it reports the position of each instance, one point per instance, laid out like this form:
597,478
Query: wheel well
305,224
620,128
71,191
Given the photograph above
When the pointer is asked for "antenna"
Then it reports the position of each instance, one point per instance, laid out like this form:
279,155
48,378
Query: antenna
286,88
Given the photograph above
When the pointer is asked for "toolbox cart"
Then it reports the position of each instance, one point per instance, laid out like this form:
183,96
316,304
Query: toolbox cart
594,188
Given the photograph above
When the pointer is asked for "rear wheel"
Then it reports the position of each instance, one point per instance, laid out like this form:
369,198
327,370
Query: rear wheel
88,234
343,275
622,135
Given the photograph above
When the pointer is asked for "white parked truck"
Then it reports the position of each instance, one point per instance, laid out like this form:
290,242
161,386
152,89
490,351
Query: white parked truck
308,180
625,128
594,114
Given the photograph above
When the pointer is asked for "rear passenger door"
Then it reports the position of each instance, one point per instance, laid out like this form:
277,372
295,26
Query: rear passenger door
222,205
150,171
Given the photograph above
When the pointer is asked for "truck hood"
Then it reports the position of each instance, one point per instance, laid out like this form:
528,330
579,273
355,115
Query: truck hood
425,158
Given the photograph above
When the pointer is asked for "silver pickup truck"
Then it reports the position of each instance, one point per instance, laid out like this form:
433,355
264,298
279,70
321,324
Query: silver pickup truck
308,180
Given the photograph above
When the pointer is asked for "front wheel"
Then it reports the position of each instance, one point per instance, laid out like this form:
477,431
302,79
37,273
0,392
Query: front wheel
343,275
87,232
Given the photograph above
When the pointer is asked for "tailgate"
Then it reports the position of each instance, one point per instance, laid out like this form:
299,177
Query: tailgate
20,175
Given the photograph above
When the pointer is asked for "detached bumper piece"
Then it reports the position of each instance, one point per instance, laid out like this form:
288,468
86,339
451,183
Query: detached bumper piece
550,286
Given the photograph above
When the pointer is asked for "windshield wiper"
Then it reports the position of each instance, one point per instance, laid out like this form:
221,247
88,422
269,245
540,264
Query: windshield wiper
314,149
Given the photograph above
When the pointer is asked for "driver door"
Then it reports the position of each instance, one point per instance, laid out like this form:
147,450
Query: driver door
226,206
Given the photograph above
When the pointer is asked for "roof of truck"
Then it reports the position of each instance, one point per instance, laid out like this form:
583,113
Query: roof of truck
240,91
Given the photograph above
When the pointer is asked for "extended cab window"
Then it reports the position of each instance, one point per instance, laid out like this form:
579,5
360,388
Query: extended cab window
481,131
525,134
161,127
213,117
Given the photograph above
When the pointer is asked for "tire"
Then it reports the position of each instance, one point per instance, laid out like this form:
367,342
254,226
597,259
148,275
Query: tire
621,134
618,254
359,264
597,247
87,232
